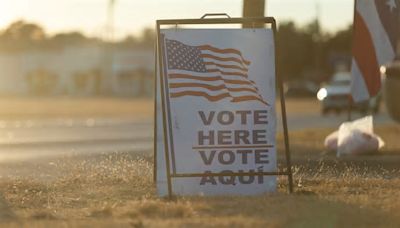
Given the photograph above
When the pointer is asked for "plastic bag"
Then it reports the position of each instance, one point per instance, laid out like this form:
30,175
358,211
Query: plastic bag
331,141
357,137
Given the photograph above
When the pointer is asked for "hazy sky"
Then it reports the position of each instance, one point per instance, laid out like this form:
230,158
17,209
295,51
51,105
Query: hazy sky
131,16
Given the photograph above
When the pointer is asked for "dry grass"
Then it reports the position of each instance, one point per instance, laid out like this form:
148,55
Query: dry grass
302,106
312,140
117,190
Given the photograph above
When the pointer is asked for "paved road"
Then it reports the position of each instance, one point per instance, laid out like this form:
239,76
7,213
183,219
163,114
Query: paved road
30,139
27,139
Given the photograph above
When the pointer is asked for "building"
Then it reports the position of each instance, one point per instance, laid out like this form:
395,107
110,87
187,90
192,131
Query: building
78,71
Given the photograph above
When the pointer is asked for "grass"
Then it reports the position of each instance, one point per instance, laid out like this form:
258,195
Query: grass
311,140
116,190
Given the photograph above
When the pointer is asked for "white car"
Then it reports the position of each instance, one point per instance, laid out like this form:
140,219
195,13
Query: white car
336,96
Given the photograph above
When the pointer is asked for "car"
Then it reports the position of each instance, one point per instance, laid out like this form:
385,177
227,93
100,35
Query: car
335,96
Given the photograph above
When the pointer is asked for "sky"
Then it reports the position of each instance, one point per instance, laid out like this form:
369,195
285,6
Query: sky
132,16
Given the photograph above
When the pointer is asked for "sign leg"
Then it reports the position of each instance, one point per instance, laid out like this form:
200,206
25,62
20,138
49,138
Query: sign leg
286,137
162,86
155,118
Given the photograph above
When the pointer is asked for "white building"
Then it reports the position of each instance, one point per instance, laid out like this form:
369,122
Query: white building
77,71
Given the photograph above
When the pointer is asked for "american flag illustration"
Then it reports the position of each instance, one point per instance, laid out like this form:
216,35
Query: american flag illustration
209,72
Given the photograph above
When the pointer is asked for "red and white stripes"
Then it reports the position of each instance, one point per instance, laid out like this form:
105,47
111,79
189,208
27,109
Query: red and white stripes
226,77
371,48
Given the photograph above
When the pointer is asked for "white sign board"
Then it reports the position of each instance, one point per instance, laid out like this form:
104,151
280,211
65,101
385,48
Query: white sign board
219,91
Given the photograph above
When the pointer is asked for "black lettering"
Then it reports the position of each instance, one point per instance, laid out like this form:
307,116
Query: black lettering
259,136
243,116
260,117
208,179
242,179
242,135
224,137
202,137
227,180
260,177
207,120
244,154
225,121
226,160
207,159
261,156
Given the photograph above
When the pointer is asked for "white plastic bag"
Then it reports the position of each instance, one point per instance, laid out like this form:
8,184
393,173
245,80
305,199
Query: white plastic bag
357,137
331,141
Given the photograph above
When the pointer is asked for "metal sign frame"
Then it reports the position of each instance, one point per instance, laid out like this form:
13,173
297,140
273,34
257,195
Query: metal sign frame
159,53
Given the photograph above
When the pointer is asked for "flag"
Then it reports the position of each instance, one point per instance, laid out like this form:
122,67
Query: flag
376,30
209,72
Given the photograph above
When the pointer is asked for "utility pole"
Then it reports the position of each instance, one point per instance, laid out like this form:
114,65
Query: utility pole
108,76
253,8
110,20
317,38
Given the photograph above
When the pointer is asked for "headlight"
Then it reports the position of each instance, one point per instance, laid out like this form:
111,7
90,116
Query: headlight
322,93
382,69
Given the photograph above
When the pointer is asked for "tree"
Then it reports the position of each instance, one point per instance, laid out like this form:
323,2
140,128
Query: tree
308,53
294,51
21,30
341,41
21,35
70,39
337,49
148,37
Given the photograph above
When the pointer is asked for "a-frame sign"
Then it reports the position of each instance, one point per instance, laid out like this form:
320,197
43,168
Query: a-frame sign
215,121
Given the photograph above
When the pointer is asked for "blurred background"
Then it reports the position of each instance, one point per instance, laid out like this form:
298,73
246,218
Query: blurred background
77,123
91,48
77,76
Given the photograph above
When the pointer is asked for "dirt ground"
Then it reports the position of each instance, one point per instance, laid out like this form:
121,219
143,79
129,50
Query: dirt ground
117,190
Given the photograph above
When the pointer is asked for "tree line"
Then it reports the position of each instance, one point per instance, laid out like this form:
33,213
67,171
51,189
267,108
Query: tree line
22,36
309,53
303,52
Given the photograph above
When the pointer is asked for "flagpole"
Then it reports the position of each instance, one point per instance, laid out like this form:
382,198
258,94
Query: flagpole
350,96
